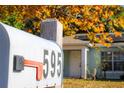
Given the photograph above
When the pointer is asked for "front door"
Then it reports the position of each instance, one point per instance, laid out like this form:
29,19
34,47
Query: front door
75,63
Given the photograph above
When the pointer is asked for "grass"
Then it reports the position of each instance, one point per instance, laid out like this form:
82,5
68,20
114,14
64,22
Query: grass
81,83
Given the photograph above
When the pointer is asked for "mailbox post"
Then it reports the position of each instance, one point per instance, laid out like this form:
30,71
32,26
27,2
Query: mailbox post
52,29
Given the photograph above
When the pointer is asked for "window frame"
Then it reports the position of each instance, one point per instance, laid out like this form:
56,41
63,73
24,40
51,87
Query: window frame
112,60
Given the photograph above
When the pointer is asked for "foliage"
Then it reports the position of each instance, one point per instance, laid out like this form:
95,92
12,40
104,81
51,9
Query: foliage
92,20
12,21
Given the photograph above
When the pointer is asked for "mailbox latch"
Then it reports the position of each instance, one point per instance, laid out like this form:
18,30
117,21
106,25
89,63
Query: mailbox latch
18,63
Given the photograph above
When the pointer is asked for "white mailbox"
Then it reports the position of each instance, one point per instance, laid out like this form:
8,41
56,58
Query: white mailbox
27,60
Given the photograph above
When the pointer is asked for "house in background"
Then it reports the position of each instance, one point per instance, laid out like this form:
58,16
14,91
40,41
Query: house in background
82,61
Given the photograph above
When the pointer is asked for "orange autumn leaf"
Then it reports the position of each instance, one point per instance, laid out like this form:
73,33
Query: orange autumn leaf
29,30
118,34
102,42
110,39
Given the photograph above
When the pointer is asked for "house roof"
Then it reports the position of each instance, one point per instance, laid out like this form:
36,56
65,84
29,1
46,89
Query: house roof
71,40
82,39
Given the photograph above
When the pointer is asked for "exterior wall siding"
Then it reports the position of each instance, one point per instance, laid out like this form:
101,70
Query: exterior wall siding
93,62
66,63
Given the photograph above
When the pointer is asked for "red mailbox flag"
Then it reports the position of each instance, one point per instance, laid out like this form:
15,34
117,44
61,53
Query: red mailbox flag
37,65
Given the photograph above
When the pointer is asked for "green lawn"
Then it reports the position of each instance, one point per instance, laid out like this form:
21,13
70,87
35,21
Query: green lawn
80,83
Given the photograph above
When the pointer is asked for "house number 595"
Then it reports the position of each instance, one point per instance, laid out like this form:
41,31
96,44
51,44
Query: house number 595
52,64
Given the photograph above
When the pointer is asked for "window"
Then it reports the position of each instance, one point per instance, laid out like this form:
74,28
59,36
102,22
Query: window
106,61
112,61
118,58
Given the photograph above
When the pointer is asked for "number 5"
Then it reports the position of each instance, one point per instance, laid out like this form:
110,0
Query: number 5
45,62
